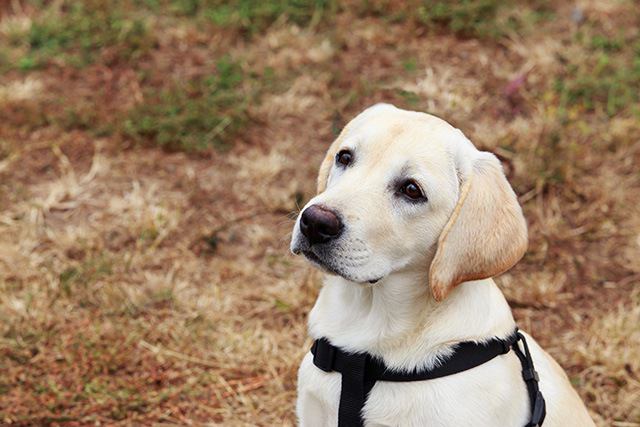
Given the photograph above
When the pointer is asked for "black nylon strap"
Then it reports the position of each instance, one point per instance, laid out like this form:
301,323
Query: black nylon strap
530,377
353,394
360,371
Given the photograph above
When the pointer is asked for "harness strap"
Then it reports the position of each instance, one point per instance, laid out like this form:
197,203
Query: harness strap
530,376
360,371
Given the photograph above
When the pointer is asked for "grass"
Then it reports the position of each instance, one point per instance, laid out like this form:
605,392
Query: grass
140,285
87,273
467,18
204,112
609,80
77,33
482,19
250,18
602,70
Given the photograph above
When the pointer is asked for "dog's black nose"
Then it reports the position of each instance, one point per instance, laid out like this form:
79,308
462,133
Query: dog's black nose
319,224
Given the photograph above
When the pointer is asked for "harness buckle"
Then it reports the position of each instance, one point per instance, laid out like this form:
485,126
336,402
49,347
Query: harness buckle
530,374
324,355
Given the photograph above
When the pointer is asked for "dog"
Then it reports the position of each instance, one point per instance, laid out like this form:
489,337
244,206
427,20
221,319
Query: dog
410,223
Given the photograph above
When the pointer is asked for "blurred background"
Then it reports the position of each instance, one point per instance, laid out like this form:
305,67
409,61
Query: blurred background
153,155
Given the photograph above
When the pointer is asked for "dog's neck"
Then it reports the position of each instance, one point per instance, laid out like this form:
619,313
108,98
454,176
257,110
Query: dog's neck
398,319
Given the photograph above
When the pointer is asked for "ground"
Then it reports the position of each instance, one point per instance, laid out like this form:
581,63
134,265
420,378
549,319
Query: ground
154,154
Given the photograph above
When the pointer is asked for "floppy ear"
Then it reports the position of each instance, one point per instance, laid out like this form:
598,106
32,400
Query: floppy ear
486,234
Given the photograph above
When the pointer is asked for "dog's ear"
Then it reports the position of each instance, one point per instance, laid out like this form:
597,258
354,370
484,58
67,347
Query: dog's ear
486,234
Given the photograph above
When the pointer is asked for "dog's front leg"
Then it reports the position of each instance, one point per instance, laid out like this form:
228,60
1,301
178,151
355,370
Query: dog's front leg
311,412
318,396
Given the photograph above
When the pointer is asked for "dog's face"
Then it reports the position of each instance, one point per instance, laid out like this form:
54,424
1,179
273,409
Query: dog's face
388,187
391,186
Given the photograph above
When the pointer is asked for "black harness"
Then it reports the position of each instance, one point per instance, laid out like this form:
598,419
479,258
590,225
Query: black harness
360,371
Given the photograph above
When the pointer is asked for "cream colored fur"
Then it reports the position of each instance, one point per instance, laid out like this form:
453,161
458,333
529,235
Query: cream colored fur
433,262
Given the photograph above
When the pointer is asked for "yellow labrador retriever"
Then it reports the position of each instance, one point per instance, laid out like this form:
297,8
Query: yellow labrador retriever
411,221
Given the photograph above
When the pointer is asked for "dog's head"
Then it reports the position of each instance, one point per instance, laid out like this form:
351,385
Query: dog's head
401,190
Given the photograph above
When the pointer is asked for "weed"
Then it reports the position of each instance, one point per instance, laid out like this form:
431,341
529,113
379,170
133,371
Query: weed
149,234
469,18
411,99
84,274
205,112
605,80
281,305
28,63
79,32
252,17
600,42
410,65
487,19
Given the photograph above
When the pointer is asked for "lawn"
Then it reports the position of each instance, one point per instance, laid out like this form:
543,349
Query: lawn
154,154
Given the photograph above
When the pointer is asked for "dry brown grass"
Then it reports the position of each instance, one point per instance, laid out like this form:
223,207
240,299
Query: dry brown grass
139,286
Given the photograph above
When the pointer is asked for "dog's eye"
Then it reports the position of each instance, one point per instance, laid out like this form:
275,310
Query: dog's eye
344,157
411,190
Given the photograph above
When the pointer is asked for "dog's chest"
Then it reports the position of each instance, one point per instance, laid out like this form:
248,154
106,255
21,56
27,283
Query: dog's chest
484,396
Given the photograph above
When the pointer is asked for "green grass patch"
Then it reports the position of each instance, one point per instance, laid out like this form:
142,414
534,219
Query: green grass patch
410,65
409,98
60,112
606,78
467,18
485,19
77,33
491,19
252,17
88,272
202,113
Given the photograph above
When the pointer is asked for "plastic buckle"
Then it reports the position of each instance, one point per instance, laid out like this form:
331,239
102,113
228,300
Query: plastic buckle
324,356
530,374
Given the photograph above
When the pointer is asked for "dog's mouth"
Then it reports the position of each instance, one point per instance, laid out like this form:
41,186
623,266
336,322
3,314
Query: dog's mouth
315,259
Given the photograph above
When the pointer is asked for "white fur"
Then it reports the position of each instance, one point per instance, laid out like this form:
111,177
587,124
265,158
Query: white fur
398,318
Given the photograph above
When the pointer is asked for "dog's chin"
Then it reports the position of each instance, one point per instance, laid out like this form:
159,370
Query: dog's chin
330,269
